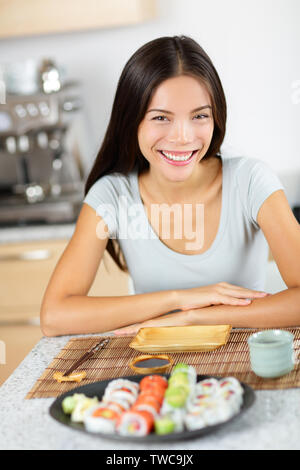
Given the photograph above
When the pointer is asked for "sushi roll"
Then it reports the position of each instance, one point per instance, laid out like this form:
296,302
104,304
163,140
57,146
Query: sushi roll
135,423
118,405
179,393
233,399
195,419
165,425
209,412
156,380
101,419
119,394
154,392
147,403
216,411
198,401
231,383
182,368
207,387
122,384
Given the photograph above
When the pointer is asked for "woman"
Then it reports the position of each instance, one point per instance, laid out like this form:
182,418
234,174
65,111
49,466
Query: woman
205,262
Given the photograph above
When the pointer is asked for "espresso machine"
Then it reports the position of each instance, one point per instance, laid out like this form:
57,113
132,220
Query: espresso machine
41,180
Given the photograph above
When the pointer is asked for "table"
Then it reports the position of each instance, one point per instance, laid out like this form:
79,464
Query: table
273,422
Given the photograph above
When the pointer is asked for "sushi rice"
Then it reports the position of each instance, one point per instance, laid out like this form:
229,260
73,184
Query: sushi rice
100,418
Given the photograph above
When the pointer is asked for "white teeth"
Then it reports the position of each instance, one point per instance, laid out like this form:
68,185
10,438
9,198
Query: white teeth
176,158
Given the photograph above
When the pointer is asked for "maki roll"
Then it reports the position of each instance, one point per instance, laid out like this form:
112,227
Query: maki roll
177,396
152,394
231,383
124,384
232,392
207,387
233,400
164,425
123,392
190,371
118,405
135,423
147,403
209,412
156,380
119,394
101,419
215,401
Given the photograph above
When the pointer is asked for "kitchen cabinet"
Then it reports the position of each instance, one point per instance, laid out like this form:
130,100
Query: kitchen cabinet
30,17
25,269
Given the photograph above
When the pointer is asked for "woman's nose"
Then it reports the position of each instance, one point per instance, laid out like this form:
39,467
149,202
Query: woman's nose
181,132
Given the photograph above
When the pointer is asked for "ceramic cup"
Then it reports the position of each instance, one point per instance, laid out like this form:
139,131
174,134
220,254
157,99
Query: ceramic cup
271,353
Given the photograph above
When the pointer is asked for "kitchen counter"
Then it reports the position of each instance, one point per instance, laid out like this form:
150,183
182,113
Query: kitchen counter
36,233
273,421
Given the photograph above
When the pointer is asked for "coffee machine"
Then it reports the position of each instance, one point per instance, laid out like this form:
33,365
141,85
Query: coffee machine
41,179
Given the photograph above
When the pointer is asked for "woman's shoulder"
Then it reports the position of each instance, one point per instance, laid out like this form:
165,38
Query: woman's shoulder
254,181
245,169
241,163
117,181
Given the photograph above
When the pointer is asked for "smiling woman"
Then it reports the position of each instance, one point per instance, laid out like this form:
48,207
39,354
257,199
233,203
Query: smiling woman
189,225
180,137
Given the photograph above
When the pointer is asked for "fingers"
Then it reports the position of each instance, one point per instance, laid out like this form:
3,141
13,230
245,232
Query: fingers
127,330
227,300
240,292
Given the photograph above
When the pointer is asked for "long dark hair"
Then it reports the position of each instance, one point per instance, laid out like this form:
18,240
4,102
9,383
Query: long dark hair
150,65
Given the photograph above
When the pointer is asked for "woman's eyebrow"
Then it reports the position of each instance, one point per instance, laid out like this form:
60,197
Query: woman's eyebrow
170,112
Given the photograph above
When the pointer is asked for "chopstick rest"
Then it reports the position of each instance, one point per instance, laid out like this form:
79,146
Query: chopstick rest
73,377
67,376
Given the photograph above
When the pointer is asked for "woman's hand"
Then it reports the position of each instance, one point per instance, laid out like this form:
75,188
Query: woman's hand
171,319
222,293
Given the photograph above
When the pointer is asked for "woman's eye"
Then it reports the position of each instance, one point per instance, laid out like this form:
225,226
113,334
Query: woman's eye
201,116
159,118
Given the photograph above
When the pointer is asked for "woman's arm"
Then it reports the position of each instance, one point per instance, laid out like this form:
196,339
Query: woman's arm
278,310
282,309
66,307
282,232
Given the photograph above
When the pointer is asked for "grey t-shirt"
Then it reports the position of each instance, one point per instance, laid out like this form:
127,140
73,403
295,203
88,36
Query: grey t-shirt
238,254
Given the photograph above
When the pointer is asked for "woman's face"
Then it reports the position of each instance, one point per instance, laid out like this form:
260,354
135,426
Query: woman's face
177,128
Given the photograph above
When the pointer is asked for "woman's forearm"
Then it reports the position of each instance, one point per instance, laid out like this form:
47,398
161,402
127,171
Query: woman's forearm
83,314
278,310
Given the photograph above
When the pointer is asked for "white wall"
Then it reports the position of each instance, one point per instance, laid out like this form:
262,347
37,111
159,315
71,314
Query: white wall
254,44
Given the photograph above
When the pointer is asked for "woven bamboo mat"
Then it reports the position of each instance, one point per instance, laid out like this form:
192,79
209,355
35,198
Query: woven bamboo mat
232,359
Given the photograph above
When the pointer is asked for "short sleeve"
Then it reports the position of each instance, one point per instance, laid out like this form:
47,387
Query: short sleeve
256,181
102,197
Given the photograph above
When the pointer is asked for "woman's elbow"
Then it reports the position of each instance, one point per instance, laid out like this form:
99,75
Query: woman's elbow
48,324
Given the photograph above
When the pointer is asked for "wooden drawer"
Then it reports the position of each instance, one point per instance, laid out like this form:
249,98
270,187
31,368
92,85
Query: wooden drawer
25,270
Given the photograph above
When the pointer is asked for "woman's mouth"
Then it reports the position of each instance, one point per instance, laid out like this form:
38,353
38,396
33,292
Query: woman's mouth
177,158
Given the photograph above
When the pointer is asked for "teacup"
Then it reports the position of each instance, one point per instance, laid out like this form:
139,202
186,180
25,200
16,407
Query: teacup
271,353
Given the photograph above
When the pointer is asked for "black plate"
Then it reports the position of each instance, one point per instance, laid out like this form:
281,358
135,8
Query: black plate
97,389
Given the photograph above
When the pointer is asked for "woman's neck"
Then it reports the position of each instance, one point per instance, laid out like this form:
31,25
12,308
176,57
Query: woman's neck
172,192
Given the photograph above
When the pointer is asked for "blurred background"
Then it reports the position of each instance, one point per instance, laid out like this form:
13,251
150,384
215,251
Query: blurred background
60,62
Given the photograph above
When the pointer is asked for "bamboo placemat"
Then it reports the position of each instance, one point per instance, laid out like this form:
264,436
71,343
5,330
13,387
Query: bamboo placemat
232,359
